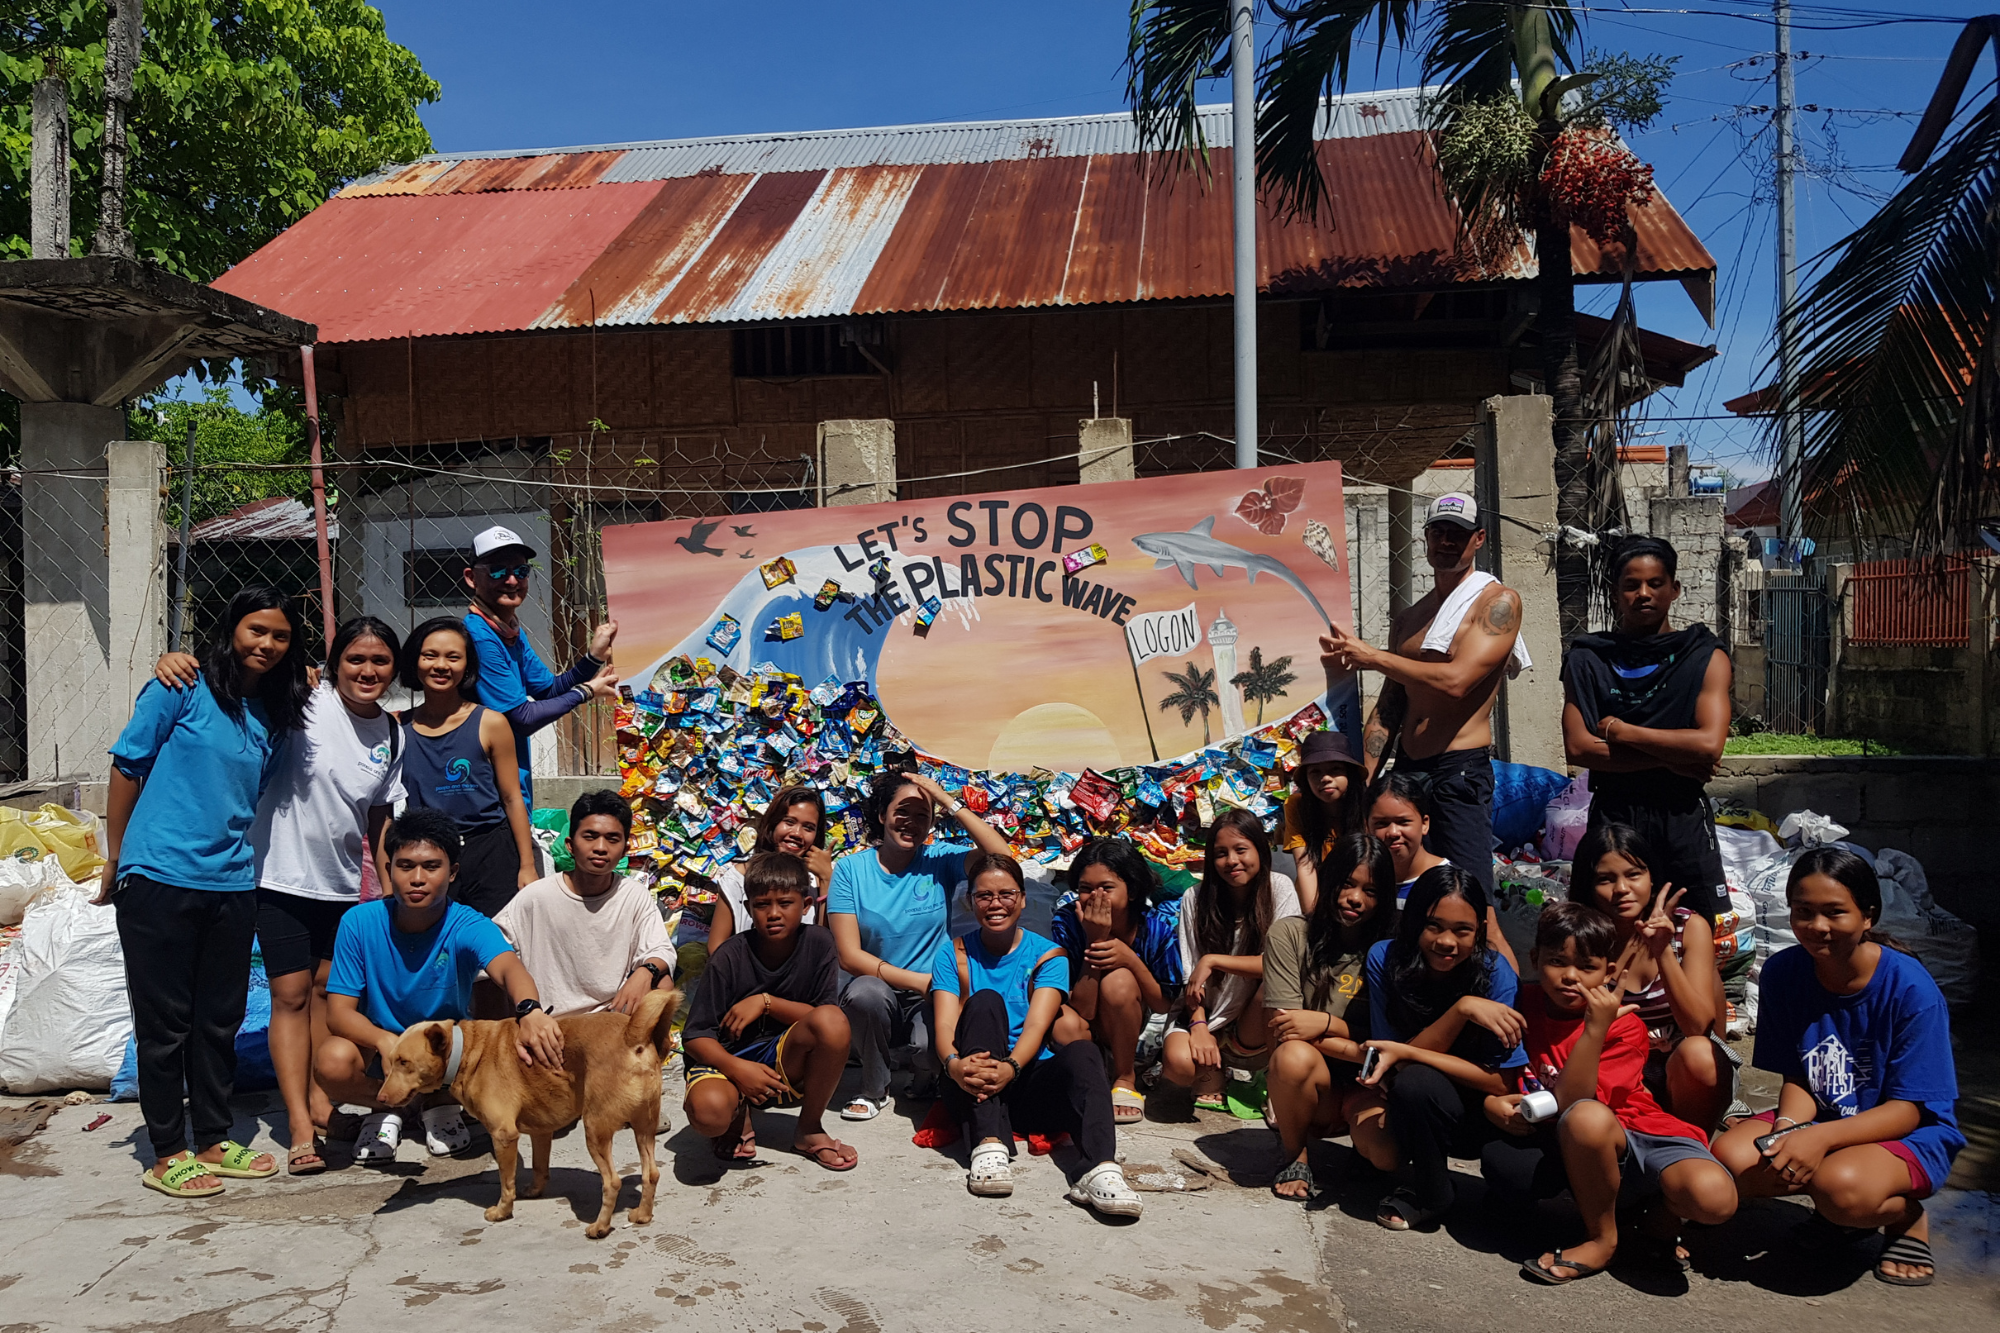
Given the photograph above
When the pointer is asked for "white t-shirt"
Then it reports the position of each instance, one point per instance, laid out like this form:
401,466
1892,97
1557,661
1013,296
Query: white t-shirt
580,950
729,886
1227,993
313,817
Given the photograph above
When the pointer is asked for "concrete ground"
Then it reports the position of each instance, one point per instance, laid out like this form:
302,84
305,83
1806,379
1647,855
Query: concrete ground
895,1245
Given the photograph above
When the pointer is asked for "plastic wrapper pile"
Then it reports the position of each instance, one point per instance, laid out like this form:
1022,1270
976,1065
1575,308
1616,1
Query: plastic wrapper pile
704,748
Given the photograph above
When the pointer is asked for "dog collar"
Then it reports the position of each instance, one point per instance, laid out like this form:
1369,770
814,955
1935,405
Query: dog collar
457,1055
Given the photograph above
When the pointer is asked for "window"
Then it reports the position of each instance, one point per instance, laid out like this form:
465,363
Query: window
435,578
792,350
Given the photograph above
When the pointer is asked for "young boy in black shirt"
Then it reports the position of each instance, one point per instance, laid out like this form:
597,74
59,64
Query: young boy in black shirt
767,1026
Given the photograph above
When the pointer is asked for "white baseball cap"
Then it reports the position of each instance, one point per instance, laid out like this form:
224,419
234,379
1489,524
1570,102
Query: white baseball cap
498,539
1456,508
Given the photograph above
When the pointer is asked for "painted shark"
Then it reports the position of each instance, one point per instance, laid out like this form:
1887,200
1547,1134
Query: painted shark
1198,546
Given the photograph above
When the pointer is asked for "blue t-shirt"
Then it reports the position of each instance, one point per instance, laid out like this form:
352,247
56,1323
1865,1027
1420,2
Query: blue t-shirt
510,674
1891,1042
1156,939
403,979
203,773
1475,1043
1010,975
902,917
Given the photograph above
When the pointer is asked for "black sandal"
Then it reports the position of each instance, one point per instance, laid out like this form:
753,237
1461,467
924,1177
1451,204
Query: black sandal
1662,1250
738,1143
1533,1268
1298,1170
1399,1211
1906,1250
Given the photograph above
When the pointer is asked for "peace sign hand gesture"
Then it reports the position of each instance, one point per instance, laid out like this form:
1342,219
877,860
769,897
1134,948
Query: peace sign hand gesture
1657,930
1604,1005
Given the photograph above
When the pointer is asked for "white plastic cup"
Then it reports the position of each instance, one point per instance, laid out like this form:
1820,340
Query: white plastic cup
1539,1106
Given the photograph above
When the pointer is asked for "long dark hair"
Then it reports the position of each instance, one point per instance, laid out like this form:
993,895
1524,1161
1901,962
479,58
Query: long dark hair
1217,917
361,627
1418,993
1324,946
283,691
413,649
1320,823
1121,858
882,795
1853,873
1600,842
767,823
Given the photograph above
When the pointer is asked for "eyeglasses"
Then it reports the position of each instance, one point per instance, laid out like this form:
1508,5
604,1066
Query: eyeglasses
505,572
995,899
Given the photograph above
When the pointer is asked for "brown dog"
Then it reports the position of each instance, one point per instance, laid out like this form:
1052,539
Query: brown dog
610,1079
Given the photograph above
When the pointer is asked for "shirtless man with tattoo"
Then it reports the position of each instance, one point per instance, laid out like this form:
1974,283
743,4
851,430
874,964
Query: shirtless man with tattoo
1436,704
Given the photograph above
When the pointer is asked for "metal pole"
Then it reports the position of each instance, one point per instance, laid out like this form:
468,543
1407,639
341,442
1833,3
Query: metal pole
1791,425
175,611
1243,213
319,496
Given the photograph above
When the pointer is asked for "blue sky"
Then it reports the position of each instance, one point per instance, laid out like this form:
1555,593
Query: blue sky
517,74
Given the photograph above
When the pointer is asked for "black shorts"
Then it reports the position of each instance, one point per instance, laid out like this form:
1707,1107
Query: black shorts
1460,783
1681,834
295,934
489,871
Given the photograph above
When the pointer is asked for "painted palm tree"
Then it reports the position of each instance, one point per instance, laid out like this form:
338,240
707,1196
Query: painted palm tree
1524,144
1899,390
1264,682
1194,691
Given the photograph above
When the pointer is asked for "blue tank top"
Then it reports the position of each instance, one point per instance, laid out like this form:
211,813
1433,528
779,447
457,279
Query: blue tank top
451,773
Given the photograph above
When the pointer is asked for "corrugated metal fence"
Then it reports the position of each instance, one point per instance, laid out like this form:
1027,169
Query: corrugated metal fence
1920,603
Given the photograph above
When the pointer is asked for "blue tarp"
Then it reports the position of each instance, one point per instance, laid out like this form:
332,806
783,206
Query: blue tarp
253,1047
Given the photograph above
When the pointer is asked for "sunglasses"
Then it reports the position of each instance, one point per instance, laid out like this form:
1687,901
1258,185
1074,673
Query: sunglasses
505,572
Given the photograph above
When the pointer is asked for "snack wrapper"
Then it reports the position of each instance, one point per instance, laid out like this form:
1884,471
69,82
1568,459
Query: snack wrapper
724,636
829,593
928,613
777,571
786,628
1079,560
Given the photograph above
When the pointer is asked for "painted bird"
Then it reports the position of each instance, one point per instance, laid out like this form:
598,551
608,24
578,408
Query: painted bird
696,542
743,531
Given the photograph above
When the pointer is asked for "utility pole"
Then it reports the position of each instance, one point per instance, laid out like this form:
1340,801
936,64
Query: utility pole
1243,212
1791,426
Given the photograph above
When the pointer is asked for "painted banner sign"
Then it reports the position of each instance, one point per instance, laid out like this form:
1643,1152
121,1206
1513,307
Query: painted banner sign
1160,633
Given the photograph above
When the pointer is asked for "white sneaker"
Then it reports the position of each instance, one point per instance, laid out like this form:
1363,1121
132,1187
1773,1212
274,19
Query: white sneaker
381,1134
447,1129
991,1174
1104,1189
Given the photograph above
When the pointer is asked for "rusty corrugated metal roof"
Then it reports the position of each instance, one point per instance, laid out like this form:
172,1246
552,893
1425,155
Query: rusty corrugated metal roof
278,518
825,224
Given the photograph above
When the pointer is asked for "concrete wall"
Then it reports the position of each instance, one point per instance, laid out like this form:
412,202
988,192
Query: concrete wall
1928,699
1939,810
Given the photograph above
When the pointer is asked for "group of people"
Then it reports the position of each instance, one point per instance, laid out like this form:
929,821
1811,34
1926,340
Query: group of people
1370,990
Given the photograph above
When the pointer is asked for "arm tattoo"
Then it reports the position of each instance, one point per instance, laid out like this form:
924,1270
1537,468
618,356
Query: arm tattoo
1500,617
1376,741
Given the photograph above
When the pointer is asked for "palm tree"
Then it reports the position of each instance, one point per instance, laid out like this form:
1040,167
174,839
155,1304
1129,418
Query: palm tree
1514,135
1195,692
1263,683
1897,381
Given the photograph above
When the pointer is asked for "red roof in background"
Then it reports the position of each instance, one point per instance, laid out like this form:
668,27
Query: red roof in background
996,215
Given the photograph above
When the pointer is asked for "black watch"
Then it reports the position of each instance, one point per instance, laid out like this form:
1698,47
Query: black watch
526,1007
659,973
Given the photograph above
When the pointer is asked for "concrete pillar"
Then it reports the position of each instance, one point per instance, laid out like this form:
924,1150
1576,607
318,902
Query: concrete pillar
1104,449
1403,550
49,188
1519,432
857,461
136,542
65,573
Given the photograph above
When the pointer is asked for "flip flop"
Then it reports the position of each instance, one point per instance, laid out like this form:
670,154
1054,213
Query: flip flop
1399,1211
869,1108
235,1163
1298,1170
1127,1107
173,1181
304,1160
1664,1251
1906,1250
836,1147
1211,1101
738,1143
1533,1268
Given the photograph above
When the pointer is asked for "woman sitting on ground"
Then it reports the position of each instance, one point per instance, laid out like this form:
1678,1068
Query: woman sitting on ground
1316,999
1441,1012
1667,957
1124,959
1329,801
1866,1123
996,992
794,823
1223,923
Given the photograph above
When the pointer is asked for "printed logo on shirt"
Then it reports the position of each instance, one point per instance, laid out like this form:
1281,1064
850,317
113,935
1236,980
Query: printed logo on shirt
379,756
458,778
1830,1073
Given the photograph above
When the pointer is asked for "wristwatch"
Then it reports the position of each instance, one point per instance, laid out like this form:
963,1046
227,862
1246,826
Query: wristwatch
526,1007
659,973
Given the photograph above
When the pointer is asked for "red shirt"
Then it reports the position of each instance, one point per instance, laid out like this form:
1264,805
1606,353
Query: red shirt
1621,1066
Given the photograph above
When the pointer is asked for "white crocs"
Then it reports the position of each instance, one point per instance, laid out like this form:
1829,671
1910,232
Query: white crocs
992,1174
447,1129
381,1134
1104,1190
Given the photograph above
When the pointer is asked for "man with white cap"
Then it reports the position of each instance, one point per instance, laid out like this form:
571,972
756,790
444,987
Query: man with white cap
512,679
1448,655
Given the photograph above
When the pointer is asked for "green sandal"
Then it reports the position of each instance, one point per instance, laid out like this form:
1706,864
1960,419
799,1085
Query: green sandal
174,1179
235,1163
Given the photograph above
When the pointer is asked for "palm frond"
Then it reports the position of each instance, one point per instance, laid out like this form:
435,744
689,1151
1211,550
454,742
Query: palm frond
1469,50
1171,47
1312,60
1894,341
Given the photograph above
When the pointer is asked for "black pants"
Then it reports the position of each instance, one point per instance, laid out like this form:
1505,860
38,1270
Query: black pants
1434,1119
1460,783
187,971
1681,831
1520,1171
1064,1094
